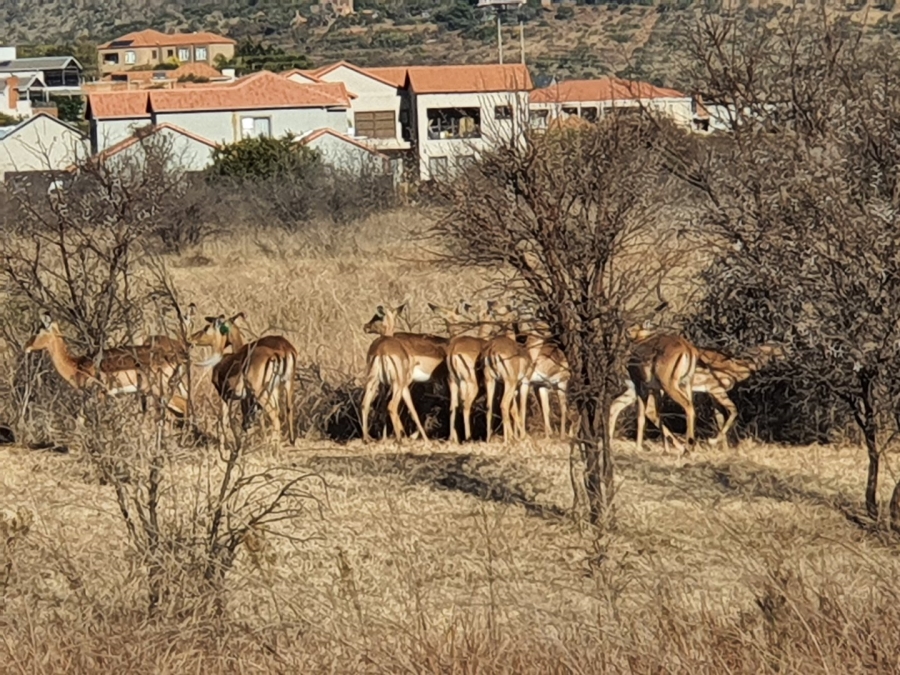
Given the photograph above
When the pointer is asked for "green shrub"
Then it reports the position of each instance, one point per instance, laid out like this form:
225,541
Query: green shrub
264,158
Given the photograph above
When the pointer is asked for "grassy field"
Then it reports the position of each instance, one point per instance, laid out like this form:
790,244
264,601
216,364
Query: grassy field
424,557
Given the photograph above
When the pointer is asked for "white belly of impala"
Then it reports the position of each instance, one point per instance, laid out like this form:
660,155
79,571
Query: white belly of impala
420,375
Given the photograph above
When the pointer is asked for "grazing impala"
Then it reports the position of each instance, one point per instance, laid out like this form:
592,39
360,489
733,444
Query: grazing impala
659,363
259,372
550,371
397,360
135,369
505,360
463,361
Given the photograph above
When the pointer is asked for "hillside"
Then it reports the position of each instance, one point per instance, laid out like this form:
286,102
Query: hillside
566,41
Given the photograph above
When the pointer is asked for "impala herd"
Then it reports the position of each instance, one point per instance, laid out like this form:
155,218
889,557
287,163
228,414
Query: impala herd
484,347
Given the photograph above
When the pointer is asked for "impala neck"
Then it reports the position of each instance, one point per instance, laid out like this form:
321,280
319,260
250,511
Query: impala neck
62,360
235,337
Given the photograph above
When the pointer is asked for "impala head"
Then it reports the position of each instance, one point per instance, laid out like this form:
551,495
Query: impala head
642,331
213,334
46,335
385,320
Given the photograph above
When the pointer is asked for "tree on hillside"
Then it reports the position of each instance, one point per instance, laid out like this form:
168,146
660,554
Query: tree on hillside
802,204
571,217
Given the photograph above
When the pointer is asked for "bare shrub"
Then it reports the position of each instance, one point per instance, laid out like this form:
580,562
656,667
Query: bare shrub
570,218
800,200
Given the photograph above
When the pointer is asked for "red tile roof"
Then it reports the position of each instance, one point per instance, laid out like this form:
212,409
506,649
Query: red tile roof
395,75
195,69
153,38
318,133
605,89
469,79
117,105
308,74
367,72
259,91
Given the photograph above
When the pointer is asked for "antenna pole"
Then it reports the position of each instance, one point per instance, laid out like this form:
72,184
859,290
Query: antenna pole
499,37
522,38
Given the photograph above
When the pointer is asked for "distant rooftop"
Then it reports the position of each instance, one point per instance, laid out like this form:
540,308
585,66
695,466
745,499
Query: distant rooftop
154,38
37,63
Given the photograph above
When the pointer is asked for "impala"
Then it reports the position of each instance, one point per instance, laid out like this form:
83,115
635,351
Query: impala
135,369
659,363
550,371
507,361
397,360
463,361
259,372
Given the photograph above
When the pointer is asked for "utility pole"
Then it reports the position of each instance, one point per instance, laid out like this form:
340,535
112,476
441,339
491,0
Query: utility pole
500,6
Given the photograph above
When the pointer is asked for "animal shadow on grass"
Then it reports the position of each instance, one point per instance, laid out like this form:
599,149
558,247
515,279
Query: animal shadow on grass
705,479
484,478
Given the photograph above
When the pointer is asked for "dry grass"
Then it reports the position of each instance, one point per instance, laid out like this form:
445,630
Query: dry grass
430,558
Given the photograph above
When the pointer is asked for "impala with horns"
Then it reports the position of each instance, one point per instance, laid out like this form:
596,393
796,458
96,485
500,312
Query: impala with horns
464,366
397,360
255,373
132,369
659,363
507,361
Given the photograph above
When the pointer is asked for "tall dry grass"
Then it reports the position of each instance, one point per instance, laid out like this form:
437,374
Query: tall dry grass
429,558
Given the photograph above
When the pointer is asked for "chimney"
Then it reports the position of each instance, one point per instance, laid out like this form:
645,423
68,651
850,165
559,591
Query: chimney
228,73
12,95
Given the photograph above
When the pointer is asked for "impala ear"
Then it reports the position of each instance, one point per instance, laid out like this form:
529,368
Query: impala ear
379,312
191,311
211,319
239,315
400,308
46,320
433,307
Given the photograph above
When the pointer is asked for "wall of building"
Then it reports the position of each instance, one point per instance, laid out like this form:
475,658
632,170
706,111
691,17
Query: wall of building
680,110
184,153
42,144
371,96
225,126
347,156
493,131
106,133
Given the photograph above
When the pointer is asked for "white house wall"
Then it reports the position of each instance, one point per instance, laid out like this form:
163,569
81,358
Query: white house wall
346,156
225,126
371,96
41,145
493,132
106,133
185,153
680,110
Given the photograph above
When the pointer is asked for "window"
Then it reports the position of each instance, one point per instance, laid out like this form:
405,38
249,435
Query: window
119,77
111,59
184,54
170,53
590,114
437,167
503,112
539,119
446,123
570,112
130,57
53,78
378,124
256,127
200,54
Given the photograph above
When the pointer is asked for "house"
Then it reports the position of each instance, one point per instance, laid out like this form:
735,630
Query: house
11,103
379,106
43,145
43,76
149,47
262,104
591,99
458,112
183,150
301,76
346,153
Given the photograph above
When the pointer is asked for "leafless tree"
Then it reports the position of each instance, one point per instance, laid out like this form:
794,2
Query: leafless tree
571,220
801,200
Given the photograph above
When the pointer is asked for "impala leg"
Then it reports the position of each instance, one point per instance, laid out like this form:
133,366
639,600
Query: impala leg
622,402
506,412
407,398
686,402
523,408
724,424
641,421
490,386
544,397
454,405
469,393
223,419
563,410
371,392
273,410
394,409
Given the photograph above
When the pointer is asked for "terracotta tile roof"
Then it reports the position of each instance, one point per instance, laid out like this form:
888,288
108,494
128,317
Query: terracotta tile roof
604,89
258,91
469,79
308,74
318,133
153,38
368,72
395,75
117,105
